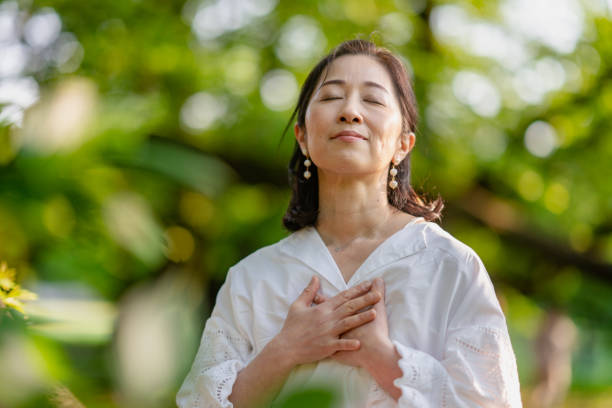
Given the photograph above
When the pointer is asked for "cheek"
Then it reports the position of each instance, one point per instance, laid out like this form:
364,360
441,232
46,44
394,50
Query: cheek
394,123
383,147
388,130
316,120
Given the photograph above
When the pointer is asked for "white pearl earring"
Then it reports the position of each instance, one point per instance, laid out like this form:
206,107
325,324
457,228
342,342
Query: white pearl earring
307,164
393,173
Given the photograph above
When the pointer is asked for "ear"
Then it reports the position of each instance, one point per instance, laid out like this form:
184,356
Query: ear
405,144
300,136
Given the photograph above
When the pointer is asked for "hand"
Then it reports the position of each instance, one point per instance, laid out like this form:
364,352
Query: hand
373,336
312,332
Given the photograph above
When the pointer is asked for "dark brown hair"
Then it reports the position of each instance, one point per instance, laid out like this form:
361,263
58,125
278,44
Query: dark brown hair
304,205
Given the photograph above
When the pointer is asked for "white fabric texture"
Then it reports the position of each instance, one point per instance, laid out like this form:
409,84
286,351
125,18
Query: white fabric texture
444,320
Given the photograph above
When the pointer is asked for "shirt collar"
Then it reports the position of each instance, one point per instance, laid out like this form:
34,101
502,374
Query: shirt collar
307,246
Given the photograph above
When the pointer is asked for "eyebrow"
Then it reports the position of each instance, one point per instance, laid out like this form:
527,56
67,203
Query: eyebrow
342,82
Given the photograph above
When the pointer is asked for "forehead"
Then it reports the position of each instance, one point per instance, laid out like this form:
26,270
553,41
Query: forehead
356,69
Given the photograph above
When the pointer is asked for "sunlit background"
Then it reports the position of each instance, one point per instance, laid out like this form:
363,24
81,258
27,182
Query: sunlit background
141,156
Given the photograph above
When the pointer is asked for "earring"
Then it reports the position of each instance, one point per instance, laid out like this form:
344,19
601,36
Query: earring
393,173
307,164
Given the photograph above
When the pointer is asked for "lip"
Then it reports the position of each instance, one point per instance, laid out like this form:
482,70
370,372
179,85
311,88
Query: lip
349,135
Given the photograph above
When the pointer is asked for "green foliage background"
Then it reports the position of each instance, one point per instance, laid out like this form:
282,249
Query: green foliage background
124,198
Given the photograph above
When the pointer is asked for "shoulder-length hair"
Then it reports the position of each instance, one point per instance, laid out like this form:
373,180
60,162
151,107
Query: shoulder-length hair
304,204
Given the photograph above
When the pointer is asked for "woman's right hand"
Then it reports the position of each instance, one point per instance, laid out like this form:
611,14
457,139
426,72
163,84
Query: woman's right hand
312,333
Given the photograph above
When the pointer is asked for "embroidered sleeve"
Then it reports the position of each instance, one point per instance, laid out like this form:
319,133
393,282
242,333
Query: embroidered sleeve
478,368
223,352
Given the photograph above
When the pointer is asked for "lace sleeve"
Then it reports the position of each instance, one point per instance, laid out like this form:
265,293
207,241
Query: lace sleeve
479,370
478,366
223,352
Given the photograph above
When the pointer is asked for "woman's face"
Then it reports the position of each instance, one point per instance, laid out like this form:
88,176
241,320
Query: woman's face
353,121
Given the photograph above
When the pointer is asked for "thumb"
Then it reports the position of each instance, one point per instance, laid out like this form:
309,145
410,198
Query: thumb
309,293
319,298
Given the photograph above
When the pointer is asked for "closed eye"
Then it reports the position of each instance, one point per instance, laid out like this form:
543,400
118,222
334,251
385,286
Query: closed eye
331,98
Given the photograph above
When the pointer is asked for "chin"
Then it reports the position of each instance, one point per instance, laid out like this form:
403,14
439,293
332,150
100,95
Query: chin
346,169
344,161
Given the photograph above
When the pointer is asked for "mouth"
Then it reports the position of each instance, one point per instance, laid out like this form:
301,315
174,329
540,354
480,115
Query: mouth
349,136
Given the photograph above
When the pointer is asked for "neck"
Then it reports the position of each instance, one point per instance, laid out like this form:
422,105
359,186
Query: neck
351,207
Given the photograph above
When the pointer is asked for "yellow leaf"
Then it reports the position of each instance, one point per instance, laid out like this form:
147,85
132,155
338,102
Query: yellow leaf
25,294
11,294
7,277
14,303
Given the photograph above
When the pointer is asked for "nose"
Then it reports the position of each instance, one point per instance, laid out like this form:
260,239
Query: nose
349,113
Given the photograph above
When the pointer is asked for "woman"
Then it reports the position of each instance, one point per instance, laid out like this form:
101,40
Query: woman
367,292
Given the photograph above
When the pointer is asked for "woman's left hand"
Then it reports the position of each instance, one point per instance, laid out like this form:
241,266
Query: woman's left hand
373,336
376,353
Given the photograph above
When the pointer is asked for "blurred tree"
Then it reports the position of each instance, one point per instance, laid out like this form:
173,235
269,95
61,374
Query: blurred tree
139,147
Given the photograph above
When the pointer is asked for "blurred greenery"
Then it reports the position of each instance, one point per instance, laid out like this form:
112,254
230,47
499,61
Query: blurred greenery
140,158
323,398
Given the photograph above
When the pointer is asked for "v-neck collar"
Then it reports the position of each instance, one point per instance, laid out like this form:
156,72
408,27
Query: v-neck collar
308,246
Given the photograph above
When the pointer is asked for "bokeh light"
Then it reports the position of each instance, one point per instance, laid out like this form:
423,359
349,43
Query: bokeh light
201,110
214,18
540,139
301,41
478,92
141,157
278,90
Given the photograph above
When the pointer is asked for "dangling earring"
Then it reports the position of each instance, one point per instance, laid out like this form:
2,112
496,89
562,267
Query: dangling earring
307,164
393,173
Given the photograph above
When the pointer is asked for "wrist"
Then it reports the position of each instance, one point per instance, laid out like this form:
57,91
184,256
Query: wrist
283,354
386,369
386,357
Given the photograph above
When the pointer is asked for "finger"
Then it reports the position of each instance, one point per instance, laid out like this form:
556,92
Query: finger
349,294
308,294
379,285
319,299
356,320
355,305
346,345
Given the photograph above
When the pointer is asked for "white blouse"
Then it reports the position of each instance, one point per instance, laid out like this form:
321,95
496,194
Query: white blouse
444,320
